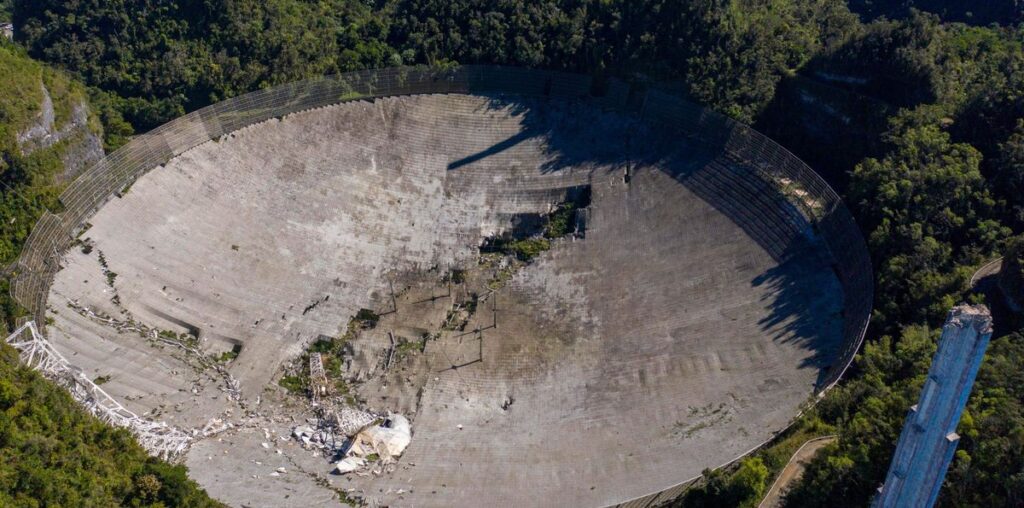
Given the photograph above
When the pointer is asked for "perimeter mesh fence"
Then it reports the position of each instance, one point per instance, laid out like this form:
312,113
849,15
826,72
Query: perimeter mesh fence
773,193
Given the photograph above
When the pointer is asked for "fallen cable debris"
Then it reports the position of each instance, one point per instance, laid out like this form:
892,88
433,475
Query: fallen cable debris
231,386
36,352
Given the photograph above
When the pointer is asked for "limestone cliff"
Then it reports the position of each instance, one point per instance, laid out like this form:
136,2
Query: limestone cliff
77,140
48,135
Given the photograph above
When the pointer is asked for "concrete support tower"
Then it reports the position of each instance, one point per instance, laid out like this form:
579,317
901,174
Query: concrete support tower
929,436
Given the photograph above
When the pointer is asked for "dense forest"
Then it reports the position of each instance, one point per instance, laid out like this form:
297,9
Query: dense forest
54,454
915,116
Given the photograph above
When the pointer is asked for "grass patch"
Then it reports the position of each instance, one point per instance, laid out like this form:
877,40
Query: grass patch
559,223
406,347
778,452
525,249
529,248
21,92
322,346
351,96
185,339
332,369
458,316
295,385
332,350
501,276
110,275
124,190
66,94
562,221
227,356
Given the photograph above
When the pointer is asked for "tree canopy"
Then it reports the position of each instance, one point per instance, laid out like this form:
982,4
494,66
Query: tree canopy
54,454
1011,275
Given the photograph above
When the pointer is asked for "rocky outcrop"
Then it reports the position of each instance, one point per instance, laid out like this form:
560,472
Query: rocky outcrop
82,147
41,133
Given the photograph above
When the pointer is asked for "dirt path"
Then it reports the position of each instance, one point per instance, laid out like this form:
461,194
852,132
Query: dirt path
794,470
988,269
1006,314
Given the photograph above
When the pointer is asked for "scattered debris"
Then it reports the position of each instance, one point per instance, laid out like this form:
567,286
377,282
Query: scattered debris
379,443
213,427
303,433
391,352
318,384
231,386
389,439
36,352
349,464
349,421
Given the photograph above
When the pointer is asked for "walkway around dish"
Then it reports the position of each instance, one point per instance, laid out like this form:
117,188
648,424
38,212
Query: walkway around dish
794,470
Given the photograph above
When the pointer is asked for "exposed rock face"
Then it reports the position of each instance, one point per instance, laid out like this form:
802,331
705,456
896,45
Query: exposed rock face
83,147
41,133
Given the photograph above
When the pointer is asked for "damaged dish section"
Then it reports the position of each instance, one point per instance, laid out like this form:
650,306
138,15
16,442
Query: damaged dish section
364,442
376,445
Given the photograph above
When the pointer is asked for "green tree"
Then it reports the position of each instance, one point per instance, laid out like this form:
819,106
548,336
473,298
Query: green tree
1010,171
870,411
750,481
925,206
1011,276
744,487
55,454
165,58
28,185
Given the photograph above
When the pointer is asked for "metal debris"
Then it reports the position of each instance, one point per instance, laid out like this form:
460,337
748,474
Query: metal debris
36,352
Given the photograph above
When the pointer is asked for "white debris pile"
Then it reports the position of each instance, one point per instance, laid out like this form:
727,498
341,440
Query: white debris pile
349,464
315,438
367,443
331,431
377,444
213,427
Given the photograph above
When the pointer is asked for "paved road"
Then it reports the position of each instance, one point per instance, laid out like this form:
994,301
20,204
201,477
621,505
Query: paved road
794,470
